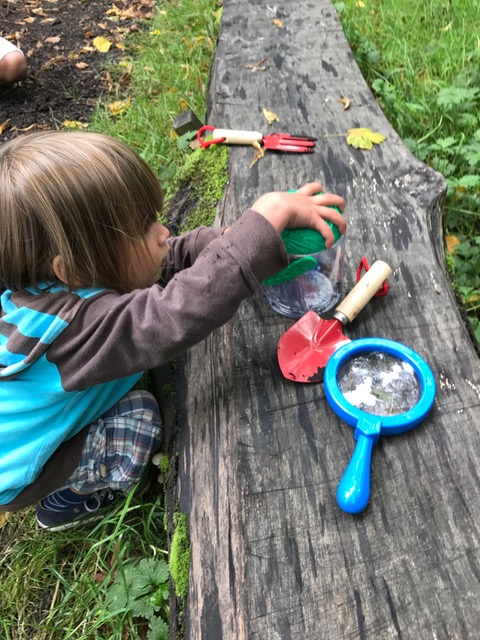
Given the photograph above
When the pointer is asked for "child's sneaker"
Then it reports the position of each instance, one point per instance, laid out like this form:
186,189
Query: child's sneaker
91,510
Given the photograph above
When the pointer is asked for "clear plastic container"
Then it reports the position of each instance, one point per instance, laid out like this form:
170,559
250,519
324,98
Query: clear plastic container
318,289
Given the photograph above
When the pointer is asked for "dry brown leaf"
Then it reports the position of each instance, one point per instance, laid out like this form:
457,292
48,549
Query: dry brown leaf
257,66
345,102
38,12
50,63
3,518
53,40
29,20
260,153
270,116
3,126
451,242
81,65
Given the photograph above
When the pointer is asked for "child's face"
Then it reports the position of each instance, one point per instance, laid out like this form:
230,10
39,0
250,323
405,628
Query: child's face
145,269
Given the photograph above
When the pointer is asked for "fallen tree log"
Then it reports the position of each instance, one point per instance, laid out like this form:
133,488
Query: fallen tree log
259,457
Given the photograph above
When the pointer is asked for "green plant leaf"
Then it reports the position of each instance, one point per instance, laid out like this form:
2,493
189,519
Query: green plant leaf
157,630
457,96
469,182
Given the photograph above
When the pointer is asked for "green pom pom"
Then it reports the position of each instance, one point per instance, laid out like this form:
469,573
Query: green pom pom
302,242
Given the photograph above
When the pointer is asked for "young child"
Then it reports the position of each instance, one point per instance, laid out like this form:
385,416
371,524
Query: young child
92,293
13,66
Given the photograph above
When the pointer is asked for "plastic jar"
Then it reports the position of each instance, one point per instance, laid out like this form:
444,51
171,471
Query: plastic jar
318,289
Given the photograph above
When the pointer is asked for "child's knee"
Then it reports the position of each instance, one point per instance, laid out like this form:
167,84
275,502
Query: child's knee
13,67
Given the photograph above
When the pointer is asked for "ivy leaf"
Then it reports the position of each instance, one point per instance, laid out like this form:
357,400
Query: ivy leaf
362,138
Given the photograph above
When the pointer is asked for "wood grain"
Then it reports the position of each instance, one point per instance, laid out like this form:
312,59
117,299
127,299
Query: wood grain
260,457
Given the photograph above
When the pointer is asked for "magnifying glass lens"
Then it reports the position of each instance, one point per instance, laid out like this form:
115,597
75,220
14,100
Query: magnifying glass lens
379,383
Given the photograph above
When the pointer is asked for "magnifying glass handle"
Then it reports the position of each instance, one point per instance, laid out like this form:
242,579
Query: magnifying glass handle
353,492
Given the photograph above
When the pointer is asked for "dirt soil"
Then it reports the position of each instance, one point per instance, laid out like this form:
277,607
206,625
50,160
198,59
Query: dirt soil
66,73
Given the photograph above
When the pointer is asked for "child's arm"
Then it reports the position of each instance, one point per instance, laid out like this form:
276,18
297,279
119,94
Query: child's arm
114,335
300,209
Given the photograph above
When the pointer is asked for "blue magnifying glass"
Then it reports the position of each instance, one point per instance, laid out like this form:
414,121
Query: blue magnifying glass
379,387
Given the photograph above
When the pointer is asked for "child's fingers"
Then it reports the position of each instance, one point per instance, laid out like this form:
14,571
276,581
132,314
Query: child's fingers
322,227
327,213
310,189
330,200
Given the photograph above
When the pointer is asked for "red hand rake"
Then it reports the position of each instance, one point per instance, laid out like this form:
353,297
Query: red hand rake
274,141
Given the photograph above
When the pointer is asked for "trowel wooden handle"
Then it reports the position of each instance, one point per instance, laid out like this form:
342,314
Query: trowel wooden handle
237,137
364,290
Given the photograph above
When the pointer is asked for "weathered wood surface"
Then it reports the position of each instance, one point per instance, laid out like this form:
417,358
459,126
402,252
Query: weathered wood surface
273,557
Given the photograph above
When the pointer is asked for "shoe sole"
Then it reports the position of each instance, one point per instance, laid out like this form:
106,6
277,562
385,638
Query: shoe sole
72,524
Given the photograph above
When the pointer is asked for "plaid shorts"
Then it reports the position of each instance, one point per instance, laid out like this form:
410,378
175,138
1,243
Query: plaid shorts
119,445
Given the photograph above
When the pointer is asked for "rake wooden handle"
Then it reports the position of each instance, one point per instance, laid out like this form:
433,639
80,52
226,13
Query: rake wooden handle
233,136
363,291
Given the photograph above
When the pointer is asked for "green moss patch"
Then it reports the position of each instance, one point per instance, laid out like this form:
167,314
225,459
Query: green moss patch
180,555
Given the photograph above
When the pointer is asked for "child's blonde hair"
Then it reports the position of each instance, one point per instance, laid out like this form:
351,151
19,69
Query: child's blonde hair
84,196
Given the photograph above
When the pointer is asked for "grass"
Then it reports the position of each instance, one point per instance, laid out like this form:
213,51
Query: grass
164,72
57,583
78,585
422,61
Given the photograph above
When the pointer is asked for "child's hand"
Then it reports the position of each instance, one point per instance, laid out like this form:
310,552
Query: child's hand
303,209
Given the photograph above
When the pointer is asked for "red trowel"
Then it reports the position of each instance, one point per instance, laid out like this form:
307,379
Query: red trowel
304,350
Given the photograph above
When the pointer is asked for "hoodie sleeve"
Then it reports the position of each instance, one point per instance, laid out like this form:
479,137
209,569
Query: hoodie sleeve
114,335
185,249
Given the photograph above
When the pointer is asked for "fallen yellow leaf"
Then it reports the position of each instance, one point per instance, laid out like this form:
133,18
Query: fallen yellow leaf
278,23
270,116
125,64
119,106
102,44
3,518
74,124
345,102
451,242
363,138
